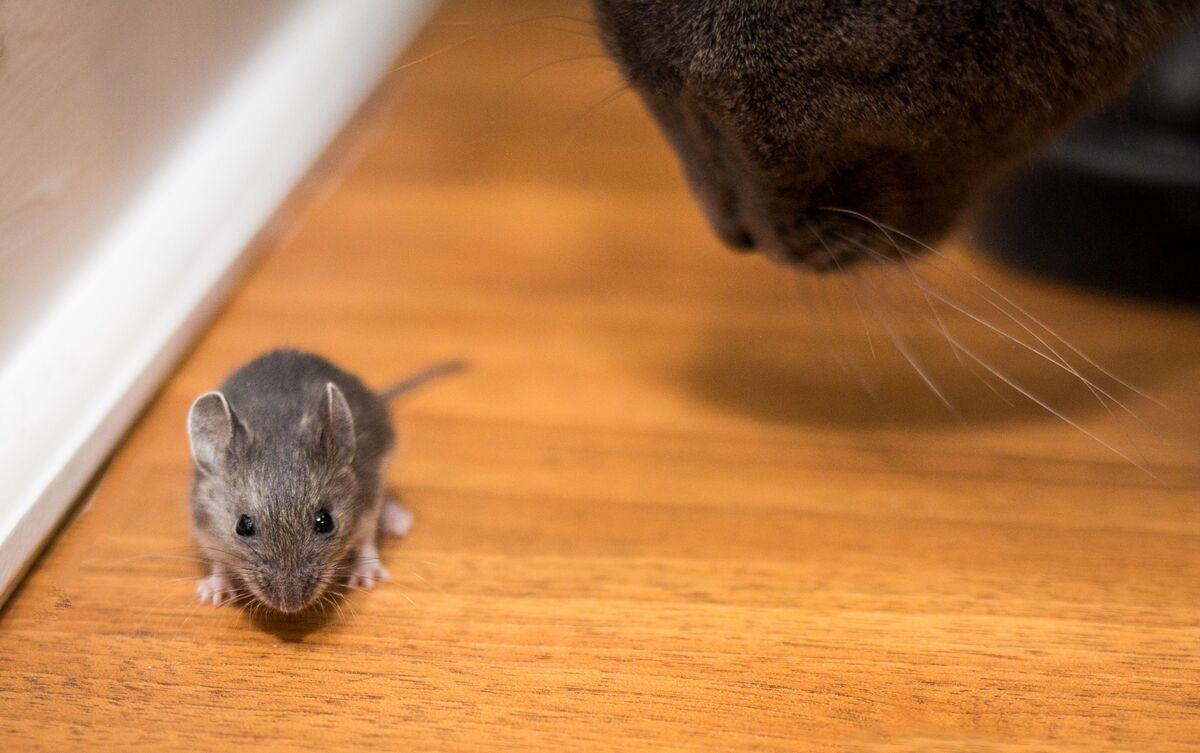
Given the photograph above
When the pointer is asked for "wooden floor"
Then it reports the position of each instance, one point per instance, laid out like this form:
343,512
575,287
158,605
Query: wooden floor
676,503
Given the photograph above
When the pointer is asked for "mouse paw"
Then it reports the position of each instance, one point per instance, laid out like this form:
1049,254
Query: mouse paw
366,573
216,589
395,520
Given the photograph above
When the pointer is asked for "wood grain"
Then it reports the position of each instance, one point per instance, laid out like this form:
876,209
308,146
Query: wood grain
656,514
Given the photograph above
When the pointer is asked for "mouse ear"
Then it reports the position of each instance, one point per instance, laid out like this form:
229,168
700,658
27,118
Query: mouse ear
211,429
338,435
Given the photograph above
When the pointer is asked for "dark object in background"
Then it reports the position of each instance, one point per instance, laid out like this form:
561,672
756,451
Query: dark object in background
1115,203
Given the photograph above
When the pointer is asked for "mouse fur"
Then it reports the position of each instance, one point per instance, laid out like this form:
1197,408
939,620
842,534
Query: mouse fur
287,437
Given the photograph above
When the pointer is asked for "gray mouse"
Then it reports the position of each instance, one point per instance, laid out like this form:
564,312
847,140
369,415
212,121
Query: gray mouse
287,498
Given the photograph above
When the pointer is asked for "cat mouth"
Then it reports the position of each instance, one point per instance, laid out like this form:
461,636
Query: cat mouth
818,212
826,240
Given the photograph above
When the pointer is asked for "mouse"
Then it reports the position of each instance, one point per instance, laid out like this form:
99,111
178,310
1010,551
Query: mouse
287,496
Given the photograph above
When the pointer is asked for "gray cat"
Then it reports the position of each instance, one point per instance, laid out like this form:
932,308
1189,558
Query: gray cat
797,120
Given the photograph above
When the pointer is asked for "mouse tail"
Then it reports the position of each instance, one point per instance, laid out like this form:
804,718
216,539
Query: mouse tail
410,383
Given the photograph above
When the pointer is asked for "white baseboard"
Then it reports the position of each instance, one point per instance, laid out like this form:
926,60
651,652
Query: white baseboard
76,380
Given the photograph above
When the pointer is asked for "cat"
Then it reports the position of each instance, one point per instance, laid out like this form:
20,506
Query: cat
809,128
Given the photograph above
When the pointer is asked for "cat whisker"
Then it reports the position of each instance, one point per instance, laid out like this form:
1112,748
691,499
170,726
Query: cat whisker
818,319
526,22
534,19
1098,392
842,277
1056,358
551,64
1140,465
943,329
581,121
1059,414
1101,395
851,367
924,293
576,32
902,349
927,292
436,53
1004,298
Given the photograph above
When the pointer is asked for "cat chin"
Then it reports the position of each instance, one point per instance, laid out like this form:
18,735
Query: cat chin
831,248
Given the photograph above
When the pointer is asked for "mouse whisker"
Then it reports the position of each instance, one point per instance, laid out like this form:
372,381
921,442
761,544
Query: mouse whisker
235,556
189,578
329,599
146,556
253,611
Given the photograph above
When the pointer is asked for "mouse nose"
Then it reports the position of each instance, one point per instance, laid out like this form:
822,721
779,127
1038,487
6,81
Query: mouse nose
291,593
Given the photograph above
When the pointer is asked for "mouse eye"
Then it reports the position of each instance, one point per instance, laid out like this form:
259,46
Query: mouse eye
245,526
323,521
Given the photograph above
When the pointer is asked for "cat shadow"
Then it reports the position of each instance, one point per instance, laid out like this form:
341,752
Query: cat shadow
750,377
846,379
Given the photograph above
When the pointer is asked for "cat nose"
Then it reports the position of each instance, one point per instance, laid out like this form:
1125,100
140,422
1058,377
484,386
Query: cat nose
707,165
732,233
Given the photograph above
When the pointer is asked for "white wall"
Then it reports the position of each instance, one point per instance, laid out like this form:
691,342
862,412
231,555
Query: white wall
92,96
142,145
